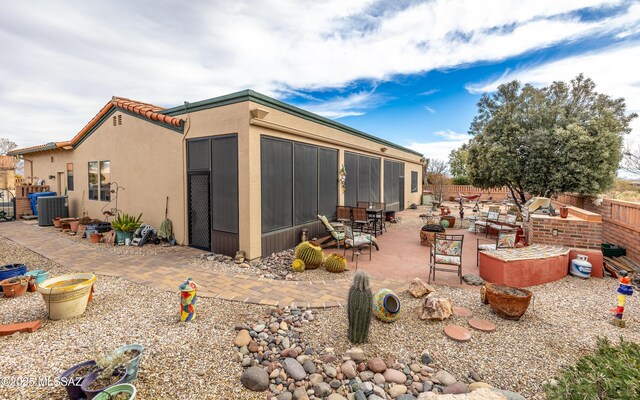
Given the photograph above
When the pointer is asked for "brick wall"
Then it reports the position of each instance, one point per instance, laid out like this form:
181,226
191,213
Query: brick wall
620,221
572,232
23,207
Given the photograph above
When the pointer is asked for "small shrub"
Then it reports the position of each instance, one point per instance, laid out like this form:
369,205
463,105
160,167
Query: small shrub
612,372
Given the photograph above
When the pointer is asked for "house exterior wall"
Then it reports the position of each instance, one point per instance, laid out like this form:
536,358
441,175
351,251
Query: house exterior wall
146,159
150,162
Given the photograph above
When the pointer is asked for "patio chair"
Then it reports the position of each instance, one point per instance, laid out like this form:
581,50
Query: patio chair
504,240
359,219
508,225
335,238
492,218
358,240
343,214
445,250
362,204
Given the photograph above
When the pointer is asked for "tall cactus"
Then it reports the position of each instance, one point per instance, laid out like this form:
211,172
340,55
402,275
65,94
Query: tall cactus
359,308
310,254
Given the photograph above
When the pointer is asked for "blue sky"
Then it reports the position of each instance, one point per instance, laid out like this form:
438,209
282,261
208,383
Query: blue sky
408,71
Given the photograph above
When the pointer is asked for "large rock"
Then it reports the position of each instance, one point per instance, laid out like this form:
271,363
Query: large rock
395,376
242,338
377,365
456,388
419,288
256,379
300,393
356,354
445,378
321,389
436,308
348,368
294,369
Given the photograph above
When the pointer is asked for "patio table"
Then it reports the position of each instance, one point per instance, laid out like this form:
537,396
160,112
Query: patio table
377,214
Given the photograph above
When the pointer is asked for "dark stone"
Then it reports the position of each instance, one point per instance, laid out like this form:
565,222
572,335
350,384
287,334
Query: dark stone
359,395
426,358
255,378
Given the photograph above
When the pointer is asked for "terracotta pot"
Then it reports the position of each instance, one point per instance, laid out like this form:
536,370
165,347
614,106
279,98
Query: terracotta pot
14,289
57,222
564,212
95,237
80,230
508,302
74,225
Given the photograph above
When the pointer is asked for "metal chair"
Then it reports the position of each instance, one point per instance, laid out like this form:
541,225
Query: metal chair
492,218
343,214
359,220
358,240
445,250
504,240
336,233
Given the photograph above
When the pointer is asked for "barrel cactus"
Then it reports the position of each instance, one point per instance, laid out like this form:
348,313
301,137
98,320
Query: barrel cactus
298,265
360,302
310,254
335,263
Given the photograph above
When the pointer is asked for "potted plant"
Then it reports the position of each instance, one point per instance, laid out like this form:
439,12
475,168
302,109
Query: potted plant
95,237
72,378
110,370
123,391
15,286
57,222
125,225
82,225
66,296
74,224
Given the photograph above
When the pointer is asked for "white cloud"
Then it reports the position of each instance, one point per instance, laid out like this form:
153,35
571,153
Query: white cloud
353,104
429,92
430,110
614,70
440,149
63,60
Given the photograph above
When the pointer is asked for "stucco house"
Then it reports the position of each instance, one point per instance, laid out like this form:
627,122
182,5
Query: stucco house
7,172
242,171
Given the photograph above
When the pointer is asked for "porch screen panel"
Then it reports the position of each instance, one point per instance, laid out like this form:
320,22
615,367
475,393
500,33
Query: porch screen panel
351,166
198,155
328,182
305,183
395,182
277,184
374,179
224,181
388,189
364,192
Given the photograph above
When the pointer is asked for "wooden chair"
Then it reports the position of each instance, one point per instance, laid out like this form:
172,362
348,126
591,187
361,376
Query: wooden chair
359,220
335,237
504,240
446,250
358,240
343,214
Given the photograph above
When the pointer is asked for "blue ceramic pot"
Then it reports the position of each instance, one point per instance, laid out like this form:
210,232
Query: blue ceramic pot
39,274
72,383
134,363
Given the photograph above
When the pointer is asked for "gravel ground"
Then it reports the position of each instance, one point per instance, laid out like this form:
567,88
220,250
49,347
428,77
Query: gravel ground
196,360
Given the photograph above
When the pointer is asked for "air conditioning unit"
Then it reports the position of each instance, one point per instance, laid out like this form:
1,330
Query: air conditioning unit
51,207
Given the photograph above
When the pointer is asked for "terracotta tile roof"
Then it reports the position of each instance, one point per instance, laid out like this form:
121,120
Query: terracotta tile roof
145,110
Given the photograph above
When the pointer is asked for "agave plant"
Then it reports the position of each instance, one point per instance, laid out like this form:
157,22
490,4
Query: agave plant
126,223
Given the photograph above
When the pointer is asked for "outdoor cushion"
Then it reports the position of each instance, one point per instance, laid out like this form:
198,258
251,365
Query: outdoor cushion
490,246
359,238
483,223
507,240
493,216
448,247
450,260
334,234
511,219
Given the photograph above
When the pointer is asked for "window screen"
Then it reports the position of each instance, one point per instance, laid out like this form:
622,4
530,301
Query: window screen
328,182
351,192
224,178
414,181
277,184
305,172
69,176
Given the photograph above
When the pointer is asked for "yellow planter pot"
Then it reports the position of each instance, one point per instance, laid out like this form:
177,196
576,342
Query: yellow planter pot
66,296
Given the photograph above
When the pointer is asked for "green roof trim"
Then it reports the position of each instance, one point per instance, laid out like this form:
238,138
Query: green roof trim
250,95
18,152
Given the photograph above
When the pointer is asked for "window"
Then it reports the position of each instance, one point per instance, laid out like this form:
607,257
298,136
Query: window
414,181
69,176
99,180
93,180
105,180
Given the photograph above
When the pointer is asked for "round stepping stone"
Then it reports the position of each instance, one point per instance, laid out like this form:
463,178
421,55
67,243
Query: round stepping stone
482,324
462,311
457,333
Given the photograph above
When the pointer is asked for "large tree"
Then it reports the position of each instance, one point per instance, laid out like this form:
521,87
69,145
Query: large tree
6,146
458,160
565,137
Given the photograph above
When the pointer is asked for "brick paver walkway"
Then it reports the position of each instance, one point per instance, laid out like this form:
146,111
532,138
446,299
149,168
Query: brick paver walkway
167,271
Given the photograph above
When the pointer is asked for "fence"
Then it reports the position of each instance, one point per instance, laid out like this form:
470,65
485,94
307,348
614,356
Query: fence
620,221
454,190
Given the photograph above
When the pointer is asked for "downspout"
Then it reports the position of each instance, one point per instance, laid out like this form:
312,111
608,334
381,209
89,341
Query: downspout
185,195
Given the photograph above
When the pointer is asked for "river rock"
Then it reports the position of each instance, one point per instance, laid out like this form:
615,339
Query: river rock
336,396
377,365
348,368
395,376
356,354
419,288
445,378
330,371
294,369
255,378
397,390
309,366
426,358
456,388
321,389
300,393
242,338
436,308
478,385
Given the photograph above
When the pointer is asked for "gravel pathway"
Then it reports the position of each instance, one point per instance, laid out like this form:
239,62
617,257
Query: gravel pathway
196,360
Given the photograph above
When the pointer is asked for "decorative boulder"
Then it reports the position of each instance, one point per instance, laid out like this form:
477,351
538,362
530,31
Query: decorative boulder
256,379
436,308
419,288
